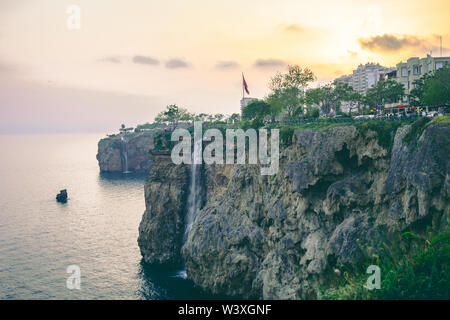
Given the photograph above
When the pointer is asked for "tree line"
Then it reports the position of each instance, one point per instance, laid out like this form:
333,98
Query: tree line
175,114
291,98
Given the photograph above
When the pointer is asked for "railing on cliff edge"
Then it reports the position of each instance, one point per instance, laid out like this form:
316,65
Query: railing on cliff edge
344,120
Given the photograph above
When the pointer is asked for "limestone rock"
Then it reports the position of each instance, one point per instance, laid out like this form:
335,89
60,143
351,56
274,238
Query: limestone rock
110,158
162,225
337,194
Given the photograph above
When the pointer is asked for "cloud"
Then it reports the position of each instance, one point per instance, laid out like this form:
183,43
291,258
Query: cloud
176,64
9,70
145,60
4,68
111,59
352,53
227,65
269,63
293,28
391,43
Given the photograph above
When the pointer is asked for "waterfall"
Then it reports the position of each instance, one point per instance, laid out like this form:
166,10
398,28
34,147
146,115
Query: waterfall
194,196
124,154
194,201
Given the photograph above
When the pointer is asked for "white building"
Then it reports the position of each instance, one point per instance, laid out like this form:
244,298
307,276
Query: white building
414,68
347,79
366,76
362,78
246,101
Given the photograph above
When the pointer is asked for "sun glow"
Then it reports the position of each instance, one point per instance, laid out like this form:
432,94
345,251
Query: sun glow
194,51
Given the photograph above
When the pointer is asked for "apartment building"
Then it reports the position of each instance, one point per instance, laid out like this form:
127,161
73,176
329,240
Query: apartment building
415,67
362,78
365,76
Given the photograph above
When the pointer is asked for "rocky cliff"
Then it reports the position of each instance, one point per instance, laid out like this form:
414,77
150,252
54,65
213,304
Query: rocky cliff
126,153
340,195
162,226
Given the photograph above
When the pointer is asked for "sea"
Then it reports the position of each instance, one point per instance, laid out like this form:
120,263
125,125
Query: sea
96,231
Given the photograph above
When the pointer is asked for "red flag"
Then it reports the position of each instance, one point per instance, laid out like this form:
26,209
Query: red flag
244,83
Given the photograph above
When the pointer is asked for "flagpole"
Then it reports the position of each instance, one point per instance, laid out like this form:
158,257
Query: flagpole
243,92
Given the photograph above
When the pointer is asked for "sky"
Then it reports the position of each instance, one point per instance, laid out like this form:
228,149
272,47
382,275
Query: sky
129,59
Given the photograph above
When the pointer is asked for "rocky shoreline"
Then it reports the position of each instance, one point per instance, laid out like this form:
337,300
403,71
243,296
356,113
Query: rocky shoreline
340,195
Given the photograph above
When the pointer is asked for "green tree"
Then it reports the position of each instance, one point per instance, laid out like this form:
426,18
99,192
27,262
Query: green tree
330,96
415,96
288,89
343,92
276,105
324,97
123,129
295,77
235,117
328,99
313,96
256,110
385,91
201,117
436,90
313,112
218,117
173,114
186,116
289,99
355,99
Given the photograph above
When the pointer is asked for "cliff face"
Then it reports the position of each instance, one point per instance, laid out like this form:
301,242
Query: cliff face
162,225
340,193
113,150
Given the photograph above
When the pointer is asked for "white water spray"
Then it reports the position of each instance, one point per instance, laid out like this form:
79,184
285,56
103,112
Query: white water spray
124,155
194,197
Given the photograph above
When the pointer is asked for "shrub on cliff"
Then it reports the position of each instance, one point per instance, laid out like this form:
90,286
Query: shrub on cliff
420,274
416,129
385,130
286,134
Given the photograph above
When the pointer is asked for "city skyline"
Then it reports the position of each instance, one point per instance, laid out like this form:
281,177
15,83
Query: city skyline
127,62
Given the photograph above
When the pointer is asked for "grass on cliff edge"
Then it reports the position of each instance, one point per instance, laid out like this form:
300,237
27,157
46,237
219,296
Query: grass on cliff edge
420,125
385,129
423,274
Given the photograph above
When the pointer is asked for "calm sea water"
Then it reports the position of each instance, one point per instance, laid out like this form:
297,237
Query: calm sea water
97,229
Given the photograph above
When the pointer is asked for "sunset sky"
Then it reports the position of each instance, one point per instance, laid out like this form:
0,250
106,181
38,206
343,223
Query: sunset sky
131,58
